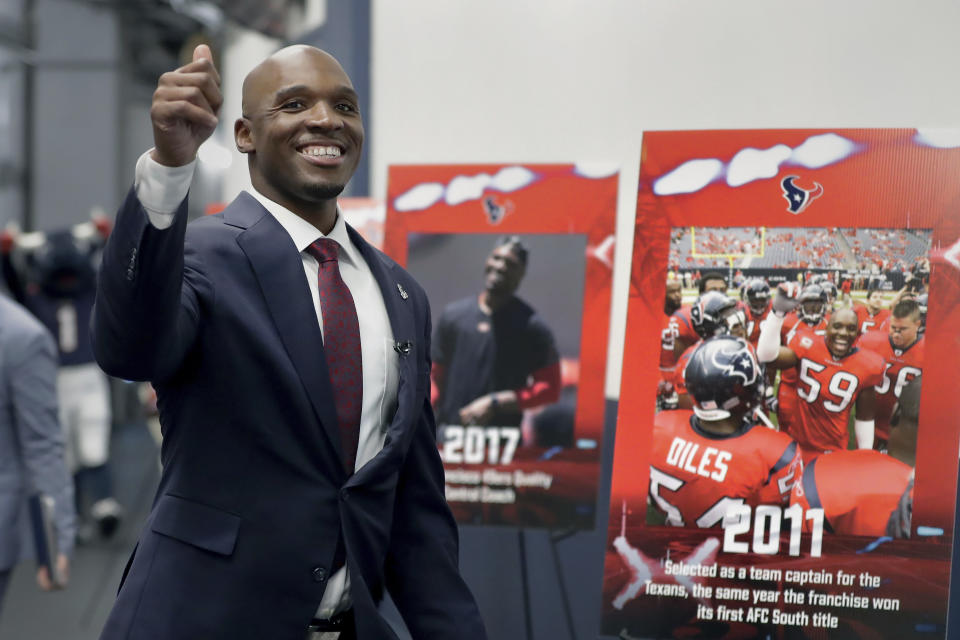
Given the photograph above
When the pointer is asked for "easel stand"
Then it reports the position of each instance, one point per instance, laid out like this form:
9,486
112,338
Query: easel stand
554,537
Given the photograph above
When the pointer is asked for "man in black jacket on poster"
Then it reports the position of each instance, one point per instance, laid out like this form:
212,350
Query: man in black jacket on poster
493,355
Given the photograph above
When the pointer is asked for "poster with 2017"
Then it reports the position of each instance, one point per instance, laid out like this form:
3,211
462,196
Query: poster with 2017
786,448
517,263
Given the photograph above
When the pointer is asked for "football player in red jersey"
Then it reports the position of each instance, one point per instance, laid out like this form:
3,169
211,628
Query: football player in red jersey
834,376
673,301
871,315
712,314
707,460
866,493
686,335
757,294
901,348
808,318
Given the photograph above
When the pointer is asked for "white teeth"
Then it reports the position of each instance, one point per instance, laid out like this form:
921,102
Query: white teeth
318,151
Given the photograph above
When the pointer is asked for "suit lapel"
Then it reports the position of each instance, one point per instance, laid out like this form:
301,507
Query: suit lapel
281,277
400,311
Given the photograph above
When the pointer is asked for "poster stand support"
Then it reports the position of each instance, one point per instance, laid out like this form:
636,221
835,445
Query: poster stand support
554,537
524,583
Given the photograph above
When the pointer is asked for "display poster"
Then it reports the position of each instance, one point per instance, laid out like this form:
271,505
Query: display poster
788,477
517,263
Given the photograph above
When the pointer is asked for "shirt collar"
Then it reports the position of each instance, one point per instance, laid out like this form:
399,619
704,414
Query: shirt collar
303,233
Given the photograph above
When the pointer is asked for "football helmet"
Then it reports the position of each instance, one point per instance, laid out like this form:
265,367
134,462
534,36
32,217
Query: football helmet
723,375
813,304
758,295
63,266
714,313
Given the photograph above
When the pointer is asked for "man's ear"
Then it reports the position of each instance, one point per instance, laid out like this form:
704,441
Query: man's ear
243,136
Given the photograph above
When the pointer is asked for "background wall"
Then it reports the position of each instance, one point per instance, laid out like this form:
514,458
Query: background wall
578,80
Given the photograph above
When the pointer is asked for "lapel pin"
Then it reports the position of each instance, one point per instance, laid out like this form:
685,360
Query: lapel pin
403,292
403,347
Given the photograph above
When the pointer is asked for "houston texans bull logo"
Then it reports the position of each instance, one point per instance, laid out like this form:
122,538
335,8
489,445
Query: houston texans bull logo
799,198
495,211
737,361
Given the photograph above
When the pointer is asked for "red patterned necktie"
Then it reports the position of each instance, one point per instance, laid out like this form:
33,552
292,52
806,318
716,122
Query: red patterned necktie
341,345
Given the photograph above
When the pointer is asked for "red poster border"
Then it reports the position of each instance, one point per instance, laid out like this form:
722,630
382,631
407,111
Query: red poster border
567,202
889,181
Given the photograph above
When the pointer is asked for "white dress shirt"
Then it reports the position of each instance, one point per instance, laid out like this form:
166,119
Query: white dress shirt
160,190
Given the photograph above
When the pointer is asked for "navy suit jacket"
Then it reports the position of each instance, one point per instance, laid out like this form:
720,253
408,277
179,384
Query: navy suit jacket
253,495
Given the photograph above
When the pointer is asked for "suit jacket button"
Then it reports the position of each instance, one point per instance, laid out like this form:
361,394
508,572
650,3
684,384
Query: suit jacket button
319,574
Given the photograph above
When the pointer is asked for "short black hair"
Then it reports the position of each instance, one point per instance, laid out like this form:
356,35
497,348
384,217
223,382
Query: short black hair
516,246
907,309
711,275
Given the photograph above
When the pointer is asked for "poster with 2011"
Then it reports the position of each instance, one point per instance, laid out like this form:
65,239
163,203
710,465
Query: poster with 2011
786,450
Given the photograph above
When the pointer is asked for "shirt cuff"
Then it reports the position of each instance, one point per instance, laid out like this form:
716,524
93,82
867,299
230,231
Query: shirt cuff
161,189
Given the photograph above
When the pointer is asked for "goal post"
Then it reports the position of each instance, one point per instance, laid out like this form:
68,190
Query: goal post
729,256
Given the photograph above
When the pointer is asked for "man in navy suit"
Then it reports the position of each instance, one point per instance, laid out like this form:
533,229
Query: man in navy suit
300,471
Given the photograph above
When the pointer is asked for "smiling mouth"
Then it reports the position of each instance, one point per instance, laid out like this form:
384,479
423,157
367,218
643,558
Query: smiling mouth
841,344
320,151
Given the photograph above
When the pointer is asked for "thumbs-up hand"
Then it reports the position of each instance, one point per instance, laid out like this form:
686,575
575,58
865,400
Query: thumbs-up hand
184,109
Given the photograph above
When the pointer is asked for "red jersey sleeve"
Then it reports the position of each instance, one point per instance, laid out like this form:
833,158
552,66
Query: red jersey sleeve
800,342
543,389
874,342
869,367
783,475
857,490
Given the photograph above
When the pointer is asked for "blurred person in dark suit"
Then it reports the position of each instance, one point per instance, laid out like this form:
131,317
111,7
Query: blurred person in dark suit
493,355
31,440
301,478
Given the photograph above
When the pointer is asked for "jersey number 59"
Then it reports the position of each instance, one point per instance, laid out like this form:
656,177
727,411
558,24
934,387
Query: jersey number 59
843,386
